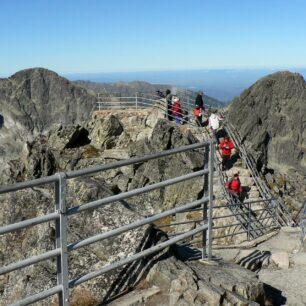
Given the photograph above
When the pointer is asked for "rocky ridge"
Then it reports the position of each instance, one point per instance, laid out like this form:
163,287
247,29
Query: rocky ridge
104,138
271,122
107,137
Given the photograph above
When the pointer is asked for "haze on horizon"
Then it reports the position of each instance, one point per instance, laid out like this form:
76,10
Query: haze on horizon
88,37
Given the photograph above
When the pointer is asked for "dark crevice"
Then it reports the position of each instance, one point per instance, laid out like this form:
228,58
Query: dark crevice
78,139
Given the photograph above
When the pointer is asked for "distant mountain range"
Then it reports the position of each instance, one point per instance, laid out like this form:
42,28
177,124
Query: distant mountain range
130,88
222,84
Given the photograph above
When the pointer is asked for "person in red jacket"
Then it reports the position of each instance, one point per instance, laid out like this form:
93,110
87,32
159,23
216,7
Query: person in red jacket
226,147
177,110
234,187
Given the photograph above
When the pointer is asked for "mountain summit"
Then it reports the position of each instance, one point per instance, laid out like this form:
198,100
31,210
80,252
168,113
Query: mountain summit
272,119
36,98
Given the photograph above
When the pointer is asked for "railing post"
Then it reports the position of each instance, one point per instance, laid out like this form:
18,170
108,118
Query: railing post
61,239
204,205
249,221
136,100
99,106
210,191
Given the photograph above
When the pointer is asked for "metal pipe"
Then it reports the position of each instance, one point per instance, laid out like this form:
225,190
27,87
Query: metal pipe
226,226
122,262
204,206
210,191
30,222
138,223
128,194
245,202
30,261
38,297
243,232
61,239
28,184
135,160
232,215
179,223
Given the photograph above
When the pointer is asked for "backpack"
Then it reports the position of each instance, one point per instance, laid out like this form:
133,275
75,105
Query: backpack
230,183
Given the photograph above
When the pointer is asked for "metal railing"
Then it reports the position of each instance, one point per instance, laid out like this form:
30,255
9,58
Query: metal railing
284,217
255,225
62,213
143,101
249,220
302,222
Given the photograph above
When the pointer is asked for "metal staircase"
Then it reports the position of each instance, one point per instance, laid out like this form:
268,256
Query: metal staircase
274,210
283,216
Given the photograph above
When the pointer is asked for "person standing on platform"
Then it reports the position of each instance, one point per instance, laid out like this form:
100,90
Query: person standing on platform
199,108
177,110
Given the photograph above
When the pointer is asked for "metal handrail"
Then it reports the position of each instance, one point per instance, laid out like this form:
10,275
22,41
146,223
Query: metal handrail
284,217
246,219
302,222
61,215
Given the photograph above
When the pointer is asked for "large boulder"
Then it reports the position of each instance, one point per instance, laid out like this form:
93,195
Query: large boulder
270,117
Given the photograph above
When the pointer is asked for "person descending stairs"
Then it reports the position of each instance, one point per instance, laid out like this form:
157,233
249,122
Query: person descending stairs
246,215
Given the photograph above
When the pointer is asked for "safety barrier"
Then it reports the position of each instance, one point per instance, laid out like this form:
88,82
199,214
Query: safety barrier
284,217
259,225
302,222
116,101
62,213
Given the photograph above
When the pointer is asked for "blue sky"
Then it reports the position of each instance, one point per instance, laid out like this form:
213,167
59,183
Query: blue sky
71,36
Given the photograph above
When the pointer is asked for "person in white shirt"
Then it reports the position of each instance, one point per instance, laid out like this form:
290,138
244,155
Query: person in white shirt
214,124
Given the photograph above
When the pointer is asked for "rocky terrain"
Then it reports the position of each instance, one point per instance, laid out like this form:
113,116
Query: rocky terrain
105,138
271,122
83,139
280,263
31,101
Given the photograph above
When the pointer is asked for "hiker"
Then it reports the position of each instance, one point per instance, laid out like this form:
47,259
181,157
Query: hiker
177,110
169,104
226,147
199,108
234,187
214,125
160,94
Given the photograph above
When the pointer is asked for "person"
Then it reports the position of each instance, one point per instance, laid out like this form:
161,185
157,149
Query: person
226,147
234,187
177,110
169,104
199,108
214,125
160,93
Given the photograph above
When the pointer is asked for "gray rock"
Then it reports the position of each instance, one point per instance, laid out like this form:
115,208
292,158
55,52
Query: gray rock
195,283
105,132
37,98
270,117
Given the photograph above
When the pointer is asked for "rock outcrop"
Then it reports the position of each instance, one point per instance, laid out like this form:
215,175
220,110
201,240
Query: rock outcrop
271,119
37,98
33,100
